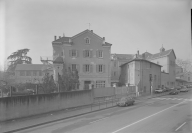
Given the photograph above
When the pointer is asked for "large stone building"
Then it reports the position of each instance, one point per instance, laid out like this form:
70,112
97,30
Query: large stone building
143,74
89,54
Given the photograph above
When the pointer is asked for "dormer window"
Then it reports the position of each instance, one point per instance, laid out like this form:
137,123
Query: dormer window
87,41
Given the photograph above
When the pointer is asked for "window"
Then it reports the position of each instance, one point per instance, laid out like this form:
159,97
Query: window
100,68
87,53
74,67
100,54
73,53
34,73
22,73
87,68
87,41
28,73
100,84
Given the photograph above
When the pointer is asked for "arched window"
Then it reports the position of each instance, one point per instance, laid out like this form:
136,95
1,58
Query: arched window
87,41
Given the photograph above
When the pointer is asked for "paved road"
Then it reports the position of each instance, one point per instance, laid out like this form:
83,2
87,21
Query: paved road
167,114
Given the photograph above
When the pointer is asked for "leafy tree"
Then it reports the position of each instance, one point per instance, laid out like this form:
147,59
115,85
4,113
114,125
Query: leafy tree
69,80
18,57
48,84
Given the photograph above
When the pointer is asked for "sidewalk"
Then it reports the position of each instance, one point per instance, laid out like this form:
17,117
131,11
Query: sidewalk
37,120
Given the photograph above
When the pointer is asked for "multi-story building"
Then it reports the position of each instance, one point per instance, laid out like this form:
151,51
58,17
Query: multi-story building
165,58
116,61
143,74
89,54
31,73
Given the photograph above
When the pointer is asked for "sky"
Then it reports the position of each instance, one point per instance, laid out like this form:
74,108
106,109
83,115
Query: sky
129,25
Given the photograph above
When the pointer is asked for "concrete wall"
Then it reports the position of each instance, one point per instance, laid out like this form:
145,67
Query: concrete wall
23,106
103,92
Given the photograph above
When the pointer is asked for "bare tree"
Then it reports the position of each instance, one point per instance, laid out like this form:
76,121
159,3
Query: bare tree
185,64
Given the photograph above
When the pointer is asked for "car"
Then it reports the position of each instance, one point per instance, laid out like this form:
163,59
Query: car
166,89
174,92
159,90
125,101
184,89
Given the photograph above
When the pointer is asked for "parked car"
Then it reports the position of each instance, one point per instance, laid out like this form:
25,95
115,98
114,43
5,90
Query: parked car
166,89
184,89
174,92
125,101
159,90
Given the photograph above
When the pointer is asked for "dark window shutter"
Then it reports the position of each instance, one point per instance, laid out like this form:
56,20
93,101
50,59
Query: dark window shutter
78,67
83,68
91,68
97,68
77,52
103,68
97,53
84,53
70,53
91,53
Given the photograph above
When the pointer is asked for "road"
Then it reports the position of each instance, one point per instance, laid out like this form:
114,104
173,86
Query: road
167,114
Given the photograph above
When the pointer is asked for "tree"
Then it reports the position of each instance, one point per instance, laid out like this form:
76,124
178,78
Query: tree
18,57
69,80
48,83
185,64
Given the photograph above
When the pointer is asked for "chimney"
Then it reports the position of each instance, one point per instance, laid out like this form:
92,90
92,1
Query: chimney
59,37
55,37
137,52
103,40
92,31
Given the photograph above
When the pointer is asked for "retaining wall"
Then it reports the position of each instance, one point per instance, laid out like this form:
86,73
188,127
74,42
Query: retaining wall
24,106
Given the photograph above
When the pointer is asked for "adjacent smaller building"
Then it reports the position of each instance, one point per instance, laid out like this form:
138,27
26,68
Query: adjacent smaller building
31,73
143,74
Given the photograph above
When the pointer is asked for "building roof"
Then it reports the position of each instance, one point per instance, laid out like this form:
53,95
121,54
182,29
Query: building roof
62,39
107,44
138,59
31,67
123,56
160,54
67,40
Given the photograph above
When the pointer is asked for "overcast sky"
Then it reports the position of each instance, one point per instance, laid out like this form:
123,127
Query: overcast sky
129,25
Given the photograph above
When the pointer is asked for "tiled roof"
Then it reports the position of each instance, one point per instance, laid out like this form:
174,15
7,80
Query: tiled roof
138,59
30,66
158,55
124,56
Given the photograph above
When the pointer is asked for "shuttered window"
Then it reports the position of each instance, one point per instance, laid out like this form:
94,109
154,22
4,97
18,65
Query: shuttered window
99,54
87,68
87,53
73,53
100,68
